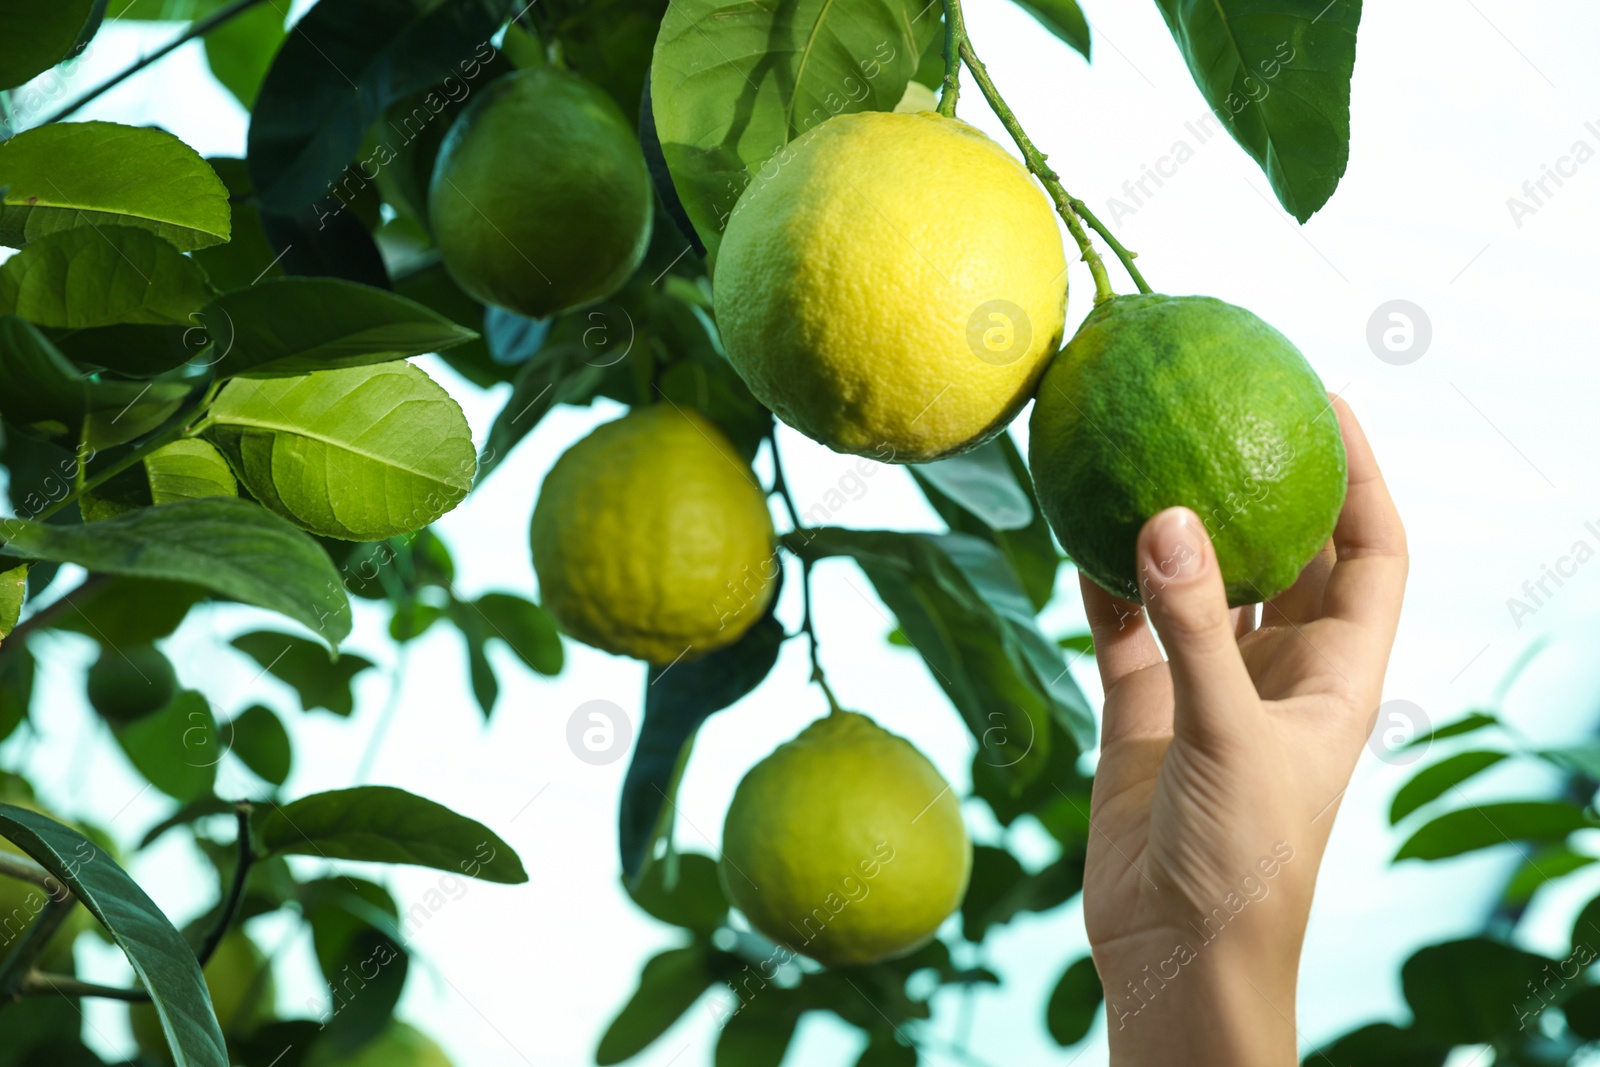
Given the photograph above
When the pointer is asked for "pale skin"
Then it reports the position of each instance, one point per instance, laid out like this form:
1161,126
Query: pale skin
1221,770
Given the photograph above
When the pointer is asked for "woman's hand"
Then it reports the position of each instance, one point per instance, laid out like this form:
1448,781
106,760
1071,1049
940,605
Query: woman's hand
1220,772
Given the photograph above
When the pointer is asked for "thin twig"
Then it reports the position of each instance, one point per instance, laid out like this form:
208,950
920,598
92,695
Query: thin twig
780,485
25,870
199,29
51,613
39,983
950,88
241,874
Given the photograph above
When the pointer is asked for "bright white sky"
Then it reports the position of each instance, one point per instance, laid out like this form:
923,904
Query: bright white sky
1485,439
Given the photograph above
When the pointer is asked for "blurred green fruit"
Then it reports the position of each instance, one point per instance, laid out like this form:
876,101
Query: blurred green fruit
128,683
398,1046
21,902
540,199
243,995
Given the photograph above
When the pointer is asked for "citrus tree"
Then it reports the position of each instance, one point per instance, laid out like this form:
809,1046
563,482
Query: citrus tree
722,216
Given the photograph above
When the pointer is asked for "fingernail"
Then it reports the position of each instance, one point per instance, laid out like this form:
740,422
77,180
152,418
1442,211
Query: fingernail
1174,547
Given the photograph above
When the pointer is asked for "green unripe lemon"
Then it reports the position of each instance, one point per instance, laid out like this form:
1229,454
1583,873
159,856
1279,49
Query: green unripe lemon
540,200
243,995
846,844
1161,401
892,285
399,1045
128,683
652,538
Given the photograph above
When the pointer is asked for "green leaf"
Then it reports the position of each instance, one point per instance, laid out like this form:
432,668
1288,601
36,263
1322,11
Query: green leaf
559,374
884,1051
981,482
188,469
1582,758
248,258
1064,18
1586,927
1546,865
958,601
293,326
1082,643
1582,1012
135,350
1276,74
381,824
1487,825
759,1033
1001,889
732,82
177,748
677,700
40,35
240,51
1470,723
100,277
231,547
1381,1045
1473,991
684,891
16,688
360,454
72,174
343,64
668,986
164,963
43,394
258,738
1031,548
476,633
13,591
320,680
1074,1003
1433,782
525,627
129,611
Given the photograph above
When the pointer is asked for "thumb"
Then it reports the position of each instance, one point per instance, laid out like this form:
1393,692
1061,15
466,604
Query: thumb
1181,583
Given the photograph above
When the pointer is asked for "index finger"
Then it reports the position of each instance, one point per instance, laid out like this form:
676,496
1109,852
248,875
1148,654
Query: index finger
1368,579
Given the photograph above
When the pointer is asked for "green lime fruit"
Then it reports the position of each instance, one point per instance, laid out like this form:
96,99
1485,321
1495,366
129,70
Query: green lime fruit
540,199
894,287
243,995
846,844
128,683
1161,401
652,538
399,1045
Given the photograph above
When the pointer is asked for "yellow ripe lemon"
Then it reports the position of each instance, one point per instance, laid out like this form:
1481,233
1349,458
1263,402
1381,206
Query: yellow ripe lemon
892,285
652,538
846,844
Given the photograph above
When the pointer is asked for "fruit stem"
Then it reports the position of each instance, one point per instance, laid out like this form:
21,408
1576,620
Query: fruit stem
198,29
241,874
954,31
1126,257
781,487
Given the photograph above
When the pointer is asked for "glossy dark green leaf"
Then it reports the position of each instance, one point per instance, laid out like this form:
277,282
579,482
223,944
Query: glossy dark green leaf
1074,1003
344,63
16,686
1276,74
100,277
559,374
668,986
296,325
231,547
381,824
362,453
129,611
73,174
1487,825
134,350
257,736
1434,781
1473,991
248,258
1031,548
958,601
177,749
1064,18
525,627
164,963
684,892
320,680
41,34
240,51
731,83
677,700
981,482
1001,889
